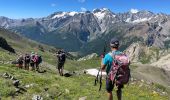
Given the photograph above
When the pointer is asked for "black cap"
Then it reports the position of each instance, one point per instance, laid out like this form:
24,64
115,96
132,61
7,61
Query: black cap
114,43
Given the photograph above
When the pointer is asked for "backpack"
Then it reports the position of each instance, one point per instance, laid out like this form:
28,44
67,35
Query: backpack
39,59
33,60
27,58
62,57
119,72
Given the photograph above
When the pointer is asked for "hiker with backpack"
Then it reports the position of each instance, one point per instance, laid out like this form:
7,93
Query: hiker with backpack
32,61
116,64
38,60
27,60
61,60
20,61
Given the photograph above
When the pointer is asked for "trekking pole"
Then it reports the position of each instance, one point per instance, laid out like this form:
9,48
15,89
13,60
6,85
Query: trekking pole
100,81
97,77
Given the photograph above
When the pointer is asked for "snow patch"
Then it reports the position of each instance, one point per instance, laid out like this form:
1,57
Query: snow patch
73,13
128,20
64,14
90,56
94,72
59,15
114,15
99,15
141,20
133,11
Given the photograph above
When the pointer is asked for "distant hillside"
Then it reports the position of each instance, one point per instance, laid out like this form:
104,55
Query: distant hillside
22,45
88,30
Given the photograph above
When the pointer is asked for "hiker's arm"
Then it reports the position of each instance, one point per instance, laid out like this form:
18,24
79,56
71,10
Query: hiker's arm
103,66
104,62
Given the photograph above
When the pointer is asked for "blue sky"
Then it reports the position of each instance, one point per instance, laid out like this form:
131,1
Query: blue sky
42,8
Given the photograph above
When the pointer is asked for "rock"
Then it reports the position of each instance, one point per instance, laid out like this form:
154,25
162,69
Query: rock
17,90
16,83
67,91
37,97
5,75
46,89
67,74
142,81
83,98
29,85
155,93
164,93
93,55
141,85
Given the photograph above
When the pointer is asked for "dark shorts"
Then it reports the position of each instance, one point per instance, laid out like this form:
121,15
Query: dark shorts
32,64
60,65
110,85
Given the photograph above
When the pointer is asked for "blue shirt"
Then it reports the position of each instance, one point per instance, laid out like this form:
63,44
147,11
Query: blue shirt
108,59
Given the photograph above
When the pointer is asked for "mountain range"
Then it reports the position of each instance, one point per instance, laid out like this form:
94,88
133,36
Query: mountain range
89,31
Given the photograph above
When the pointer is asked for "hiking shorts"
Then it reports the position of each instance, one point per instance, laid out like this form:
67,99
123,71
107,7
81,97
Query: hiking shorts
60,65
110,85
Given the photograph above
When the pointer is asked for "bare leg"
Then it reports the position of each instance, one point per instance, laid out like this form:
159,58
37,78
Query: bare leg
62,70
110,95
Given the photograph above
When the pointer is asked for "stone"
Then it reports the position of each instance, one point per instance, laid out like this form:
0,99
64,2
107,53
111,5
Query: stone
16,83
83,98
67,91
37,97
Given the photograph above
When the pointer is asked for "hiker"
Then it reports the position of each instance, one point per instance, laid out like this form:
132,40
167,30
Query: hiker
20,61
61,60
27,60
32,61
38,60
109,62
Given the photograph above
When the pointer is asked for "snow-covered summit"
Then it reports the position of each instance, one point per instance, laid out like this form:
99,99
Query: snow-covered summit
64,14
134,11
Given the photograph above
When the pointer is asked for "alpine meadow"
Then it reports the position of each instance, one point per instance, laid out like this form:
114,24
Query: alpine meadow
84,50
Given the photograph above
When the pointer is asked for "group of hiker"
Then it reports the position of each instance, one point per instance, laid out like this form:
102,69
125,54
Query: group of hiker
115,63
29,61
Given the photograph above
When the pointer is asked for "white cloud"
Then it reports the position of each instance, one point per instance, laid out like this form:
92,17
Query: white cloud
134,11
53,5
82,1
83,9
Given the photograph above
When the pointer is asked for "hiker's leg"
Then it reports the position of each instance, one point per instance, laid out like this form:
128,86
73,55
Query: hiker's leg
109,88
110,95
33,66
119,92
27,67
36,65
62,69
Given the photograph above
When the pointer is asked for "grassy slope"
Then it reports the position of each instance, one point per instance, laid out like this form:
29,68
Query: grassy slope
23,45
62,88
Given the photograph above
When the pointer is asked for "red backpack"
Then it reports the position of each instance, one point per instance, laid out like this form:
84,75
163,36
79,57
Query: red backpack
119,72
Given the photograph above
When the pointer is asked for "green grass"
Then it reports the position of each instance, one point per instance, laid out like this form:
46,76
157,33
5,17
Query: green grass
72,65
72,88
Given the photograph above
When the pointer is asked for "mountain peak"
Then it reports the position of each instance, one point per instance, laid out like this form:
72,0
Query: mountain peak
133,11
101,10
